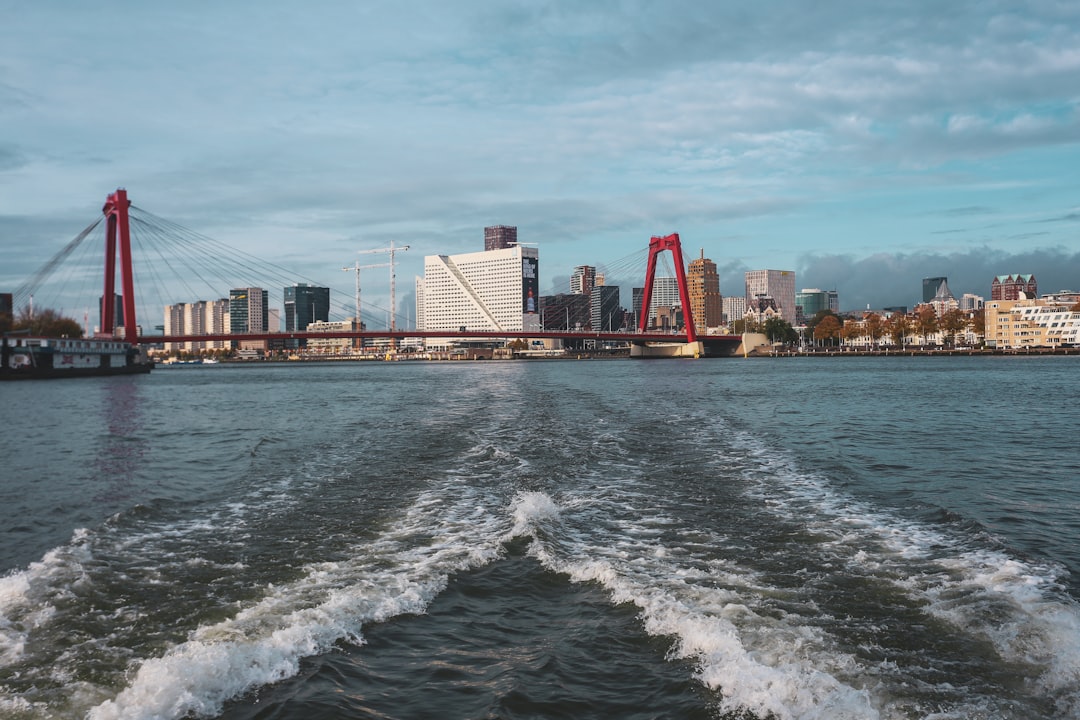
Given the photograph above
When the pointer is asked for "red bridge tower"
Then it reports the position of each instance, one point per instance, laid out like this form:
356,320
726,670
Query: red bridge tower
656,246
118,232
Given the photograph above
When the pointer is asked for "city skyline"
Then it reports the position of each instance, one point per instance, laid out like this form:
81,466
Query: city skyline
863,147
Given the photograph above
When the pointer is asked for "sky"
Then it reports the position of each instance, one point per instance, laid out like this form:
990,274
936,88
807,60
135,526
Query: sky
865,145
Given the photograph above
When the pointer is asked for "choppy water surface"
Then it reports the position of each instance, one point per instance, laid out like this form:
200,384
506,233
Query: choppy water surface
797,538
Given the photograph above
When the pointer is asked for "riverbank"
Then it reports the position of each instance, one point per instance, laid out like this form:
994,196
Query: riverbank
909,352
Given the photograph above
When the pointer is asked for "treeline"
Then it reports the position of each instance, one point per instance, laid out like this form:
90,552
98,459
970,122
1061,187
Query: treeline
45,323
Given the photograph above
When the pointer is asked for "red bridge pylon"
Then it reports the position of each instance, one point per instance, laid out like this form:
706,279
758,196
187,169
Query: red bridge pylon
118,232
656,246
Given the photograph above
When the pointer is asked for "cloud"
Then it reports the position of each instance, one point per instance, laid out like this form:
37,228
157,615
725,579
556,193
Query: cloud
890,279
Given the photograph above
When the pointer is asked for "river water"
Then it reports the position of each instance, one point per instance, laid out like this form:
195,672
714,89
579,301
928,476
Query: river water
793,538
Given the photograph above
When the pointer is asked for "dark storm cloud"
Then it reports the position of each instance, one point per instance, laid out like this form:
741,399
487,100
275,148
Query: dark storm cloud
889,279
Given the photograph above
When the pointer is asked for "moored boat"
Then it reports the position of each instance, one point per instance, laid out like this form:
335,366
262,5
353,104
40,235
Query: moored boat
28,357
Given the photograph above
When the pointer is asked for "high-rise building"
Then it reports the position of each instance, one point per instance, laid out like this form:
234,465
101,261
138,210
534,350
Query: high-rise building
197,318
565,311
249,310
703,286
665,293
1014,287
931,287
776,284
637,297
605,315
583,280
491,290
7,304
500,237
305,304
810,301
734,308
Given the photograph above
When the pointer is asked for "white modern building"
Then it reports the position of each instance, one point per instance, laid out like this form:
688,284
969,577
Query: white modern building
494,290
665,293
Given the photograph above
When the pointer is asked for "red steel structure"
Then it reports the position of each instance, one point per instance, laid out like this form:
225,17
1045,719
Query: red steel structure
118,237
656,246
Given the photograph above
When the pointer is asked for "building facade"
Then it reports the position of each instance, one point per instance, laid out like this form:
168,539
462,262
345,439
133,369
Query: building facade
1017,324
333,345
249,312
703,287
495,290
1014,287
565,311
204,317
810,301
665,294
305,304
605,314
776,284
734,308
500,237
583,280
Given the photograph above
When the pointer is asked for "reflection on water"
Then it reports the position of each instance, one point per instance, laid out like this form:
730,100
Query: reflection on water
120,453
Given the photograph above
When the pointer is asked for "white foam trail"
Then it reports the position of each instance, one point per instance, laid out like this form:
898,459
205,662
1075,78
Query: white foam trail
1019,607
27,596
789,677
398,574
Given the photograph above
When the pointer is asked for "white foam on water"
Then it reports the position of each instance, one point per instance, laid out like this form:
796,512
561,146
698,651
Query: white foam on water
399,573
792,672
27,597
1016,605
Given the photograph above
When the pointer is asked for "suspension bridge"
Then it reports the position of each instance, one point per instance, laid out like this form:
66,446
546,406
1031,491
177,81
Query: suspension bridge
157,263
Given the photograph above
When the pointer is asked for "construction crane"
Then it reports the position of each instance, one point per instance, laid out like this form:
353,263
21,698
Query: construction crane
392,249
358,267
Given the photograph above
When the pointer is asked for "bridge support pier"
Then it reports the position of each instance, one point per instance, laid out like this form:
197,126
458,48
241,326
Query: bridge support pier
694,349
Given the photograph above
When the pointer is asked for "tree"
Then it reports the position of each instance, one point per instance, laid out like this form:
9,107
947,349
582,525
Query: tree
852,330
779,330
827,328
48,323
874,326
926,322
812,323
952,323
898,327
748,325
978,323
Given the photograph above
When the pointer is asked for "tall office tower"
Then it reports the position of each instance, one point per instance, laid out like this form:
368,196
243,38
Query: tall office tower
118,311
305,304
665,293
174,325
583,280
249,310
810,301
565,311
1010,287
217,321
703,286
7,304
777,284
931,286
637,296
604,312
734,308
491,290
500,237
